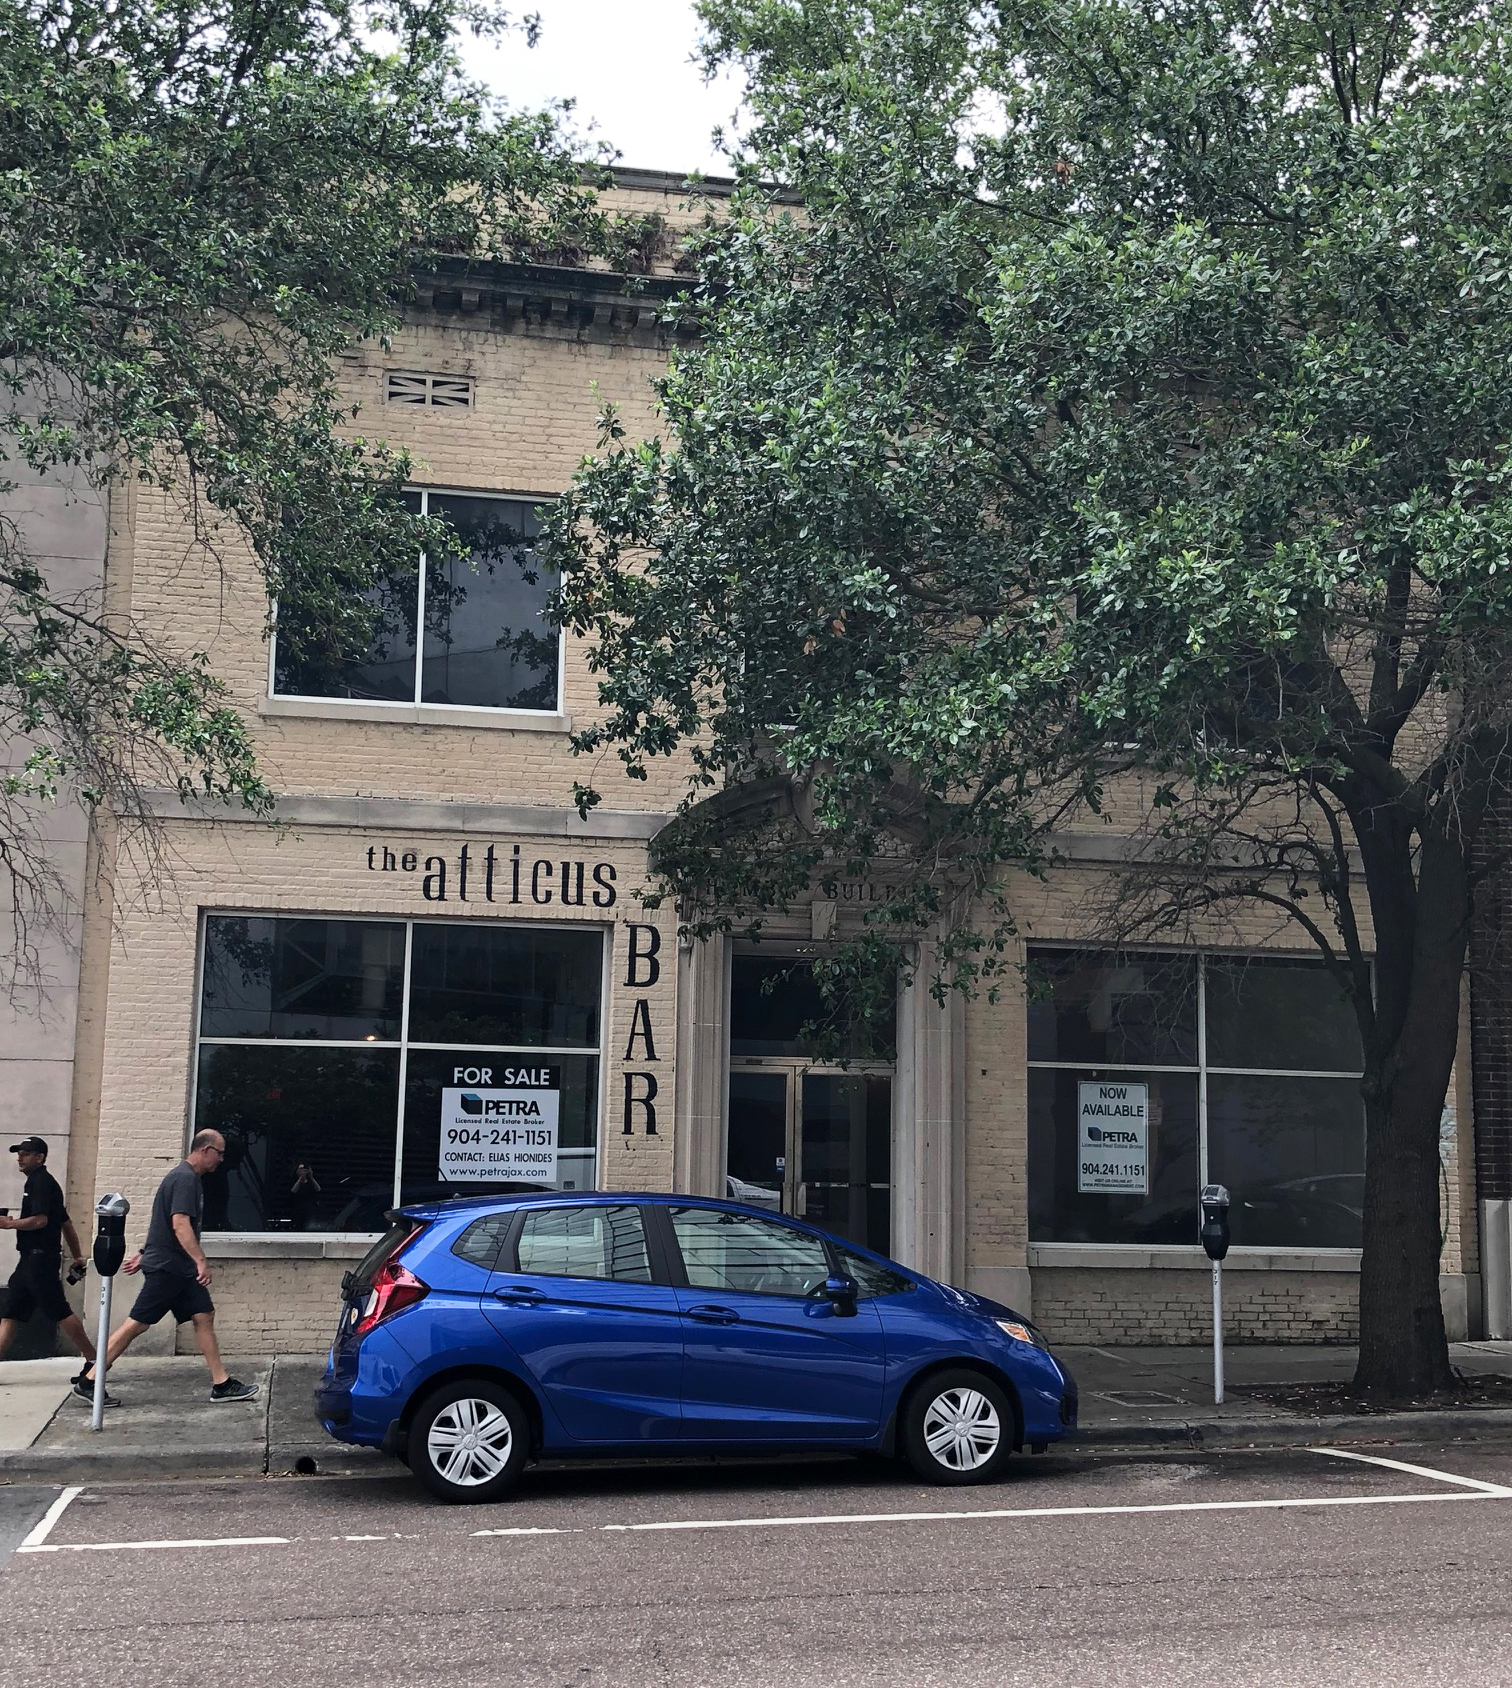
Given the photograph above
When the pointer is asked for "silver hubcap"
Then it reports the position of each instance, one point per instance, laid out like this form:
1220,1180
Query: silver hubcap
469,1442
962,1429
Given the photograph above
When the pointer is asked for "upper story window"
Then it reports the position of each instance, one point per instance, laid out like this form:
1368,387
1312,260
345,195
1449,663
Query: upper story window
466,630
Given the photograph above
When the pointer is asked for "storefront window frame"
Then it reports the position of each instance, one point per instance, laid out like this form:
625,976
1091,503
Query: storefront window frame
1050,1253
301,1241
385,708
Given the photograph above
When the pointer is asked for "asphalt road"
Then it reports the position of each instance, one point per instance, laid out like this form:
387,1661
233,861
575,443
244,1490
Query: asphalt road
1243,1568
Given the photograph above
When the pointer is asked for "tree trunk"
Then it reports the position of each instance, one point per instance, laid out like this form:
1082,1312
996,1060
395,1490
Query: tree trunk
1403,1347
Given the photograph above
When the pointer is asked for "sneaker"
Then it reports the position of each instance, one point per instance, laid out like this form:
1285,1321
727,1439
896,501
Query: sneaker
233,1389
83,1389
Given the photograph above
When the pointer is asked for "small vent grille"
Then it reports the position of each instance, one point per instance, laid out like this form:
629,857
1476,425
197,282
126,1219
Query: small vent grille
436,392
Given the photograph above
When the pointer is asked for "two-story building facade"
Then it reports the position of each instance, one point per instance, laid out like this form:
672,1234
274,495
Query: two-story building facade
432,977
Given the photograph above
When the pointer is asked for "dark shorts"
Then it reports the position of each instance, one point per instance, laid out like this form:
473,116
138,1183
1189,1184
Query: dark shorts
168,1292
34,1284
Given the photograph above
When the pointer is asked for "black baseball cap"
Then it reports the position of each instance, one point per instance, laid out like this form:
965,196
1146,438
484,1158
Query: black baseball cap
29,1146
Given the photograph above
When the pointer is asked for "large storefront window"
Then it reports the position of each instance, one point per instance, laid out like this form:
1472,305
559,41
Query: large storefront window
1151,1075
355,1063
467,629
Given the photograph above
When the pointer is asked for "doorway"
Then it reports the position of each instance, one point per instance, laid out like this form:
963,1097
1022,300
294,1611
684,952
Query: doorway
809,1138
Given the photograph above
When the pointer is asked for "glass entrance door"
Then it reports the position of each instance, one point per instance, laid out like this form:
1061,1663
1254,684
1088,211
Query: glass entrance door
814,1142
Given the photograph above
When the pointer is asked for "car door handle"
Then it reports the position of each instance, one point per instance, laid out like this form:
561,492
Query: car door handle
519,1295
712,1315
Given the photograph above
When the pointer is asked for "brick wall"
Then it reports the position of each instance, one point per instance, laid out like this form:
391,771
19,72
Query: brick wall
1491,1017
1086,1305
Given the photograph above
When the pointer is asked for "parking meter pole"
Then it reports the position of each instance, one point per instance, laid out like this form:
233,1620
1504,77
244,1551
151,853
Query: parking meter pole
102,1342
1214,1236
109,1252
1218,1333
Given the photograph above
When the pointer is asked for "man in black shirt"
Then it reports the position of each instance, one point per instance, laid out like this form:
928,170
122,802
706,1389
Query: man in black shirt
175,1273
41,1228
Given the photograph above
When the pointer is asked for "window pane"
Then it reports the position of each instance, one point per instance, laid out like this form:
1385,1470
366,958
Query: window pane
1138,1010
757,1140
301,978
481,1241
734,1252
585,1242
1263,1012
305,664
847,1155
487,640
1292,1153
772,998
506,985
449,1091
309,1136
1062,1206
871,1277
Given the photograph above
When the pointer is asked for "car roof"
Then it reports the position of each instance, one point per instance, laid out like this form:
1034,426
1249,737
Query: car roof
454,1205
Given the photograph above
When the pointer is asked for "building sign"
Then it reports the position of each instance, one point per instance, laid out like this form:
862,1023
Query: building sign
1113,1139
500,1123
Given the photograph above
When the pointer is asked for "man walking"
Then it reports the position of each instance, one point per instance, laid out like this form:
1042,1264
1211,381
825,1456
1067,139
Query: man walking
175,1272
41,1229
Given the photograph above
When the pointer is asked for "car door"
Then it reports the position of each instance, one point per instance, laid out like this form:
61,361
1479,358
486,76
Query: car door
577,1300
767,1357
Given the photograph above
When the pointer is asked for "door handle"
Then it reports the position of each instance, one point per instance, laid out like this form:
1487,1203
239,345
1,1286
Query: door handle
711,1315
519,1295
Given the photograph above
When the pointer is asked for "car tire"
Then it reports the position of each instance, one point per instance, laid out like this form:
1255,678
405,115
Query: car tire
469,1441
958,1428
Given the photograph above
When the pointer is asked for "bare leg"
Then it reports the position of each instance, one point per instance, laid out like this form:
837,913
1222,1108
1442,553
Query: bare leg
204,1335
121,1338
8,1329
73,1328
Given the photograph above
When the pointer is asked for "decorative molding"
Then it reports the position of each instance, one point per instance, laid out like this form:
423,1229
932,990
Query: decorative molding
398,814
414,715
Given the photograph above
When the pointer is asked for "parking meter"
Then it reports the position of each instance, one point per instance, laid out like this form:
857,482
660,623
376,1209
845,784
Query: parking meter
110,1233
109,1252
1215,1240
1215,1226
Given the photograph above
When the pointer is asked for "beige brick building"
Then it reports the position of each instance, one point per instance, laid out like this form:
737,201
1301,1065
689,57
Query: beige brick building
432,941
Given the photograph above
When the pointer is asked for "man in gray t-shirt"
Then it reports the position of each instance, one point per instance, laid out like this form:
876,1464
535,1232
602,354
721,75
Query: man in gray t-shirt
175,1273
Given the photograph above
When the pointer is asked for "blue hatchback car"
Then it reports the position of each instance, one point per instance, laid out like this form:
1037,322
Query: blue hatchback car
482,1333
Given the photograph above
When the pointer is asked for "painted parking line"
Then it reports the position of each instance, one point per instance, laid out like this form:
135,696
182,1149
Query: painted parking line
43,1527
1498,1489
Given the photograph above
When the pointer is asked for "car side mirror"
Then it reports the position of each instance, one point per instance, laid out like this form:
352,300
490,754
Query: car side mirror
841,1292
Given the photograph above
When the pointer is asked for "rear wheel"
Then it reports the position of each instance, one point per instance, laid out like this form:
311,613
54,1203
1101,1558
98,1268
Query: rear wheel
958,1428
469,1440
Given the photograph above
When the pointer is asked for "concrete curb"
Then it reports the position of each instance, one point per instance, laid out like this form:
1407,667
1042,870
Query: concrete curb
1468,1422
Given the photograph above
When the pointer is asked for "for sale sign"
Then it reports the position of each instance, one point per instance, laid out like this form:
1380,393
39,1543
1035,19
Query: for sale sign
500,1123
1113,1139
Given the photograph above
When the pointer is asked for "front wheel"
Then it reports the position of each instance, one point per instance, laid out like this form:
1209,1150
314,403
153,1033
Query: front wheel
958,1428
468,1441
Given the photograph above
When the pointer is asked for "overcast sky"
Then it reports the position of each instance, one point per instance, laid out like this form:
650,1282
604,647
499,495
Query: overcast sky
626,65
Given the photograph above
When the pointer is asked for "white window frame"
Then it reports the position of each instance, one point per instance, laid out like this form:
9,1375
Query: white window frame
394,708
306,1242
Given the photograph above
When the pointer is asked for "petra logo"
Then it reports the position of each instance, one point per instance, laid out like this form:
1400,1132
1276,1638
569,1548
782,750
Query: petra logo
1096,1134
471,1104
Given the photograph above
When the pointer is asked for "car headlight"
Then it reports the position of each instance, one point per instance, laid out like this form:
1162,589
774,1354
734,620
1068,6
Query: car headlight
1022,1332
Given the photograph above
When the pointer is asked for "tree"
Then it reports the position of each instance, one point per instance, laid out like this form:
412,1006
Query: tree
1127,403
202,203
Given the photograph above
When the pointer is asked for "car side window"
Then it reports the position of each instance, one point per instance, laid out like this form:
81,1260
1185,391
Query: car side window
481,1241
733,1251
584,1242
872,1277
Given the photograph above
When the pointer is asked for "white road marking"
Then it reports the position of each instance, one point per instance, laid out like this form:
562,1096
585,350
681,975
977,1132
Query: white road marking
1468,1489
43,1527
534,1530
1051,1511
123,1546
1499,1489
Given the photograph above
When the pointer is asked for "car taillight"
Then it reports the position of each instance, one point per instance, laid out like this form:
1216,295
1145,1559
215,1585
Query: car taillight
395,1287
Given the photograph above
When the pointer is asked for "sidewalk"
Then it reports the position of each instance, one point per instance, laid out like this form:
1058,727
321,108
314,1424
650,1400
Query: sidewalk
1130,1397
